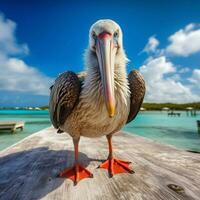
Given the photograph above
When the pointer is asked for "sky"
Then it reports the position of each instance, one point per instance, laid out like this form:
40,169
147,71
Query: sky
40,39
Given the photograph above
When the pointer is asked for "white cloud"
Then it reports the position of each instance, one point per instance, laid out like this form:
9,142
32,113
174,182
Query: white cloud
184,70
162,83
185,41
151,45
155,68
175,77
8,42
195,79
166,82
15,74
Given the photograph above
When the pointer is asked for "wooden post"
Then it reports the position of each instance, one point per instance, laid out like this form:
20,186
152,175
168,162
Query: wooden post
198,126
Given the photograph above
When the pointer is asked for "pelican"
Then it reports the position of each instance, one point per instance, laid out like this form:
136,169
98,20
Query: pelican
100,101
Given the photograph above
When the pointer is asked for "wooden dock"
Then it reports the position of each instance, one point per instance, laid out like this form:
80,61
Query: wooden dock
174,114
12,126
29,169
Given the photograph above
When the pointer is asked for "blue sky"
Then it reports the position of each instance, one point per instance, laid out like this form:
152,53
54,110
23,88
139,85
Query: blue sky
41,40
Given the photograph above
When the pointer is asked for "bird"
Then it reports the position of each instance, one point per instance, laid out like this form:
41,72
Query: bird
99,101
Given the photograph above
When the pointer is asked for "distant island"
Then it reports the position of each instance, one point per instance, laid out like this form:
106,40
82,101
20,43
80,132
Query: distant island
171,106
160,106
145,106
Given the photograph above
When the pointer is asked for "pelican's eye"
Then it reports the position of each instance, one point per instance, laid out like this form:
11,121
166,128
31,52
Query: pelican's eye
116,34
94,35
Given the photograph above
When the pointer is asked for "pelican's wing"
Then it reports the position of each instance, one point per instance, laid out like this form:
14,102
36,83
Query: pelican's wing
137,89
63,97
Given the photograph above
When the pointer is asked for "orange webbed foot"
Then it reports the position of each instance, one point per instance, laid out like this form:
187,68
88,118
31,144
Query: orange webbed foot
116,166
76,173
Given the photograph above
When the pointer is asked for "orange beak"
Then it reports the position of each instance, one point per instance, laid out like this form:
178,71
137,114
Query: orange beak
106,55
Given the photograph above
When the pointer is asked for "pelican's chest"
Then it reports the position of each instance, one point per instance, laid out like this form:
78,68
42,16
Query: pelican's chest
90,116
92,119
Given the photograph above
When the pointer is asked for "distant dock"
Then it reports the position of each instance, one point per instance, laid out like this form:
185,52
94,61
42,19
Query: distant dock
174,114
11,126
29,169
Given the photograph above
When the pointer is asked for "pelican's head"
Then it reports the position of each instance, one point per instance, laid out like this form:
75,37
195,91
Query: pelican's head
105,40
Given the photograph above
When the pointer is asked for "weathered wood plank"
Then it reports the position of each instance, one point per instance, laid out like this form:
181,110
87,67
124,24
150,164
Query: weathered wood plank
28,169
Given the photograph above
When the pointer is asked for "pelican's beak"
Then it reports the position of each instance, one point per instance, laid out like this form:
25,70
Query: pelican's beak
106,52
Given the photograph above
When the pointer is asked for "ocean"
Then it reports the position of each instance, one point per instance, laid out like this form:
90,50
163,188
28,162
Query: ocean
35,120
180,132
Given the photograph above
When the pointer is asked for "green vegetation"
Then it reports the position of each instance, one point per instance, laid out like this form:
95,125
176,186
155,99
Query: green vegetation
44,107
172,106
147,106
159,106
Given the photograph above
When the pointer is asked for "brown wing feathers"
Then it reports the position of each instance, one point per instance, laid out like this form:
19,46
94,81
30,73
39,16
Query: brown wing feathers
137,89
65,94
63,97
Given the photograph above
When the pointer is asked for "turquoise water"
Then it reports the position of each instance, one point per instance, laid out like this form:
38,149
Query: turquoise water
34,121
178,131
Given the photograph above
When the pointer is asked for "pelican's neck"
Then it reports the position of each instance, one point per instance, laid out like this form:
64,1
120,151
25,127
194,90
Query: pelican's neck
92,83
